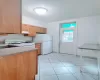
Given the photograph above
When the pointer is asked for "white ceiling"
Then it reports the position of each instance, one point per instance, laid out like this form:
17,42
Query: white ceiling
61,9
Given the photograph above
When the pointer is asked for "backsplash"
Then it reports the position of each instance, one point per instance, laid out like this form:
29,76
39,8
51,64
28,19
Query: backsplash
15,37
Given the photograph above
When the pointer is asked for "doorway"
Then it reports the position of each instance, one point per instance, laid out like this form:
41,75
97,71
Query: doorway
68,38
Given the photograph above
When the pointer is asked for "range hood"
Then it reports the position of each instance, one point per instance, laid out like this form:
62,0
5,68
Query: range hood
25,32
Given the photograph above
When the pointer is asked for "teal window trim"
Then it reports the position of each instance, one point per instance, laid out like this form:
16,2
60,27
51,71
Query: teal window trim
68,31
68,25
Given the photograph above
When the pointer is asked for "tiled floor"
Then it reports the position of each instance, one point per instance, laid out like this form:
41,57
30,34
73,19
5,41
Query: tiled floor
57,66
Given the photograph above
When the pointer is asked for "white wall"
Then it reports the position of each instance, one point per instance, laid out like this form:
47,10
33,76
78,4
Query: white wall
87,30
98,29
53,29
32,21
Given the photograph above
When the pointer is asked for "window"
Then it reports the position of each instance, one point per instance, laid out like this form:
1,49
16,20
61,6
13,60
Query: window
67,36
68,25
67,31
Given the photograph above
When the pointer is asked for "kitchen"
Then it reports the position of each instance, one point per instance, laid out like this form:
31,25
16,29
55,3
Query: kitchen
49,40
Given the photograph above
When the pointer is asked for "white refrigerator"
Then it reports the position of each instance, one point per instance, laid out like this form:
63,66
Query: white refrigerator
46,41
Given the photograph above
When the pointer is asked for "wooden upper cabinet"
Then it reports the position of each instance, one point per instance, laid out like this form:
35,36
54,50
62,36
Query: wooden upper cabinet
25,27
41,30
28,28
10,16
37,29
45,30
32,31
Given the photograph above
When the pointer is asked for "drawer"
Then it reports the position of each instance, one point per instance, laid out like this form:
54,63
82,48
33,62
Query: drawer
38,45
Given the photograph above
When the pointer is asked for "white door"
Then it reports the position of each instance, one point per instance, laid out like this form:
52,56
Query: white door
68,38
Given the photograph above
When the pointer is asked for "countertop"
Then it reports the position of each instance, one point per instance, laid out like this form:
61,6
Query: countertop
88,46
38,42
15,50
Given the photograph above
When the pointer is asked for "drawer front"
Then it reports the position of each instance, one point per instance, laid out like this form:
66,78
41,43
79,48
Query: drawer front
38,45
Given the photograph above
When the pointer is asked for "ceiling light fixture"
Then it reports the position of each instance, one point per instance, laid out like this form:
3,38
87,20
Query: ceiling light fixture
40,11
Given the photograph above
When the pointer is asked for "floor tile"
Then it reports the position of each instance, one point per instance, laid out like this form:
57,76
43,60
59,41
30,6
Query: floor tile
90,69
45,65
44,60
57,65
68,64
77,62
52,77
94,76
62,70
83,76
66,77
47,71
74,69
53,60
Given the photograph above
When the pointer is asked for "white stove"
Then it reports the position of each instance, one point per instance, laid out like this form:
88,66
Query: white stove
24,44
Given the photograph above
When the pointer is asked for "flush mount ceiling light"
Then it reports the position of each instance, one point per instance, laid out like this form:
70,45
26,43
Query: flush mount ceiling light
40,11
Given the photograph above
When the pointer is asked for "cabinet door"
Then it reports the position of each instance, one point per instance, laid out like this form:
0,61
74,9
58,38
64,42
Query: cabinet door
45,30
22,66
25,27
2,68
38,29
41,30
32,31
33,65
8,68
27,65
10,16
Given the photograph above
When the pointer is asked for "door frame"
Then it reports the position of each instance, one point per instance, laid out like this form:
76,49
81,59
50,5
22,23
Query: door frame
60,35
